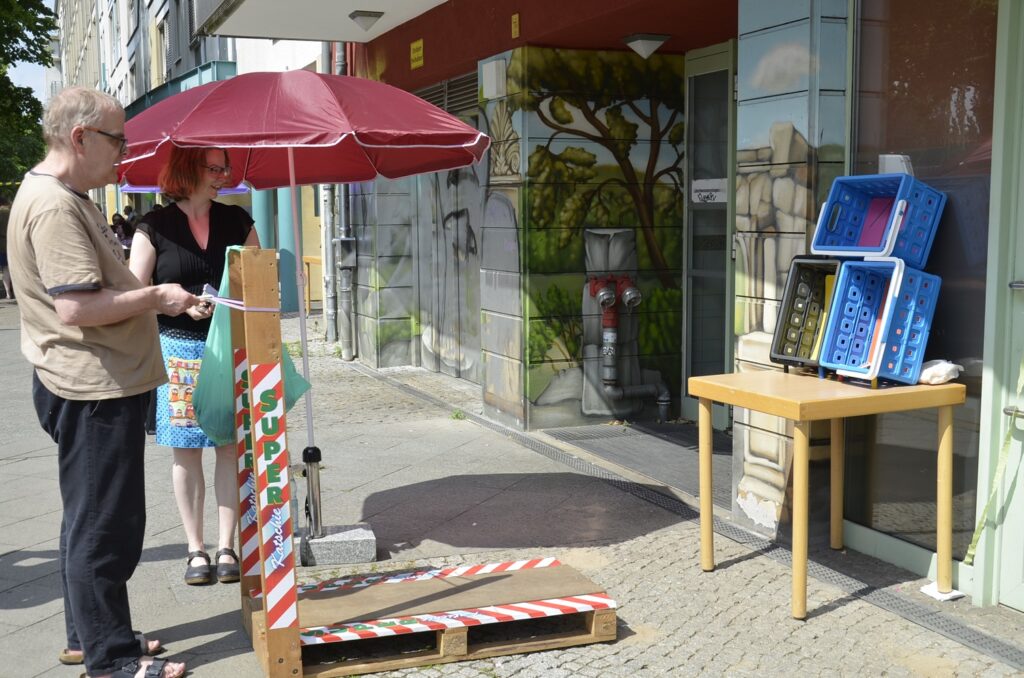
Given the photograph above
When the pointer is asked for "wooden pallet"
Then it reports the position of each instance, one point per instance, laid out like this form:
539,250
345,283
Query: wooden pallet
365,624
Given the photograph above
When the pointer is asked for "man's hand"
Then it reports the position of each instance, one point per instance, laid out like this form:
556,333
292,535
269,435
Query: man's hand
172,299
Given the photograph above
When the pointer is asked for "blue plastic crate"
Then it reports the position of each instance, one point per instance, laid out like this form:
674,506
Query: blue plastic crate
879,215
880,320
907,335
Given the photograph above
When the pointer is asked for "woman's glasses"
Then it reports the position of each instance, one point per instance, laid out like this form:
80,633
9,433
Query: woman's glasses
218,170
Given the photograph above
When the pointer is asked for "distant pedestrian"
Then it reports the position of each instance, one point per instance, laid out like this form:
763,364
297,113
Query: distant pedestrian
5,215
89,328
131,221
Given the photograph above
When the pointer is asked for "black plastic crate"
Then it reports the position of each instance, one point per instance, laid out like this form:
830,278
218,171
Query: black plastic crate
804,311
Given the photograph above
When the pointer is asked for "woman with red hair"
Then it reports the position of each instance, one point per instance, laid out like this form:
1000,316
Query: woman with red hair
185,242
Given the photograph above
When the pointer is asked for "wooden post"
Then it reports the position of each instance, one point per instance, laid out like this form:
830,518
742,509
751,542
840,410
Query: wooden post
801,469
248,530
944,503
270,454
838,459
707,509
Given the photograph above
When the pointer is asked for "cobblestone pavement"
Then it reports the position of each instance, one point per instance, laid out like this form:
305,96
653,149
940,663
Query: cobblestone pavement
675,620
438,490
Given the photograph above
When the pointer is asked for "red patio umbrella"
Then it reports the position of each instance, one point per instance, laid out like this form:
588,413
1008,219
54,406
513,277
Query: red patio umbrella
339,129
299,127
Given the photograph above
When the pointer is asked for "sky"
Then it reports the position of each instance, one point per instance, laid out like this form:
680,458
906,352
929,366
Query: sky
30,75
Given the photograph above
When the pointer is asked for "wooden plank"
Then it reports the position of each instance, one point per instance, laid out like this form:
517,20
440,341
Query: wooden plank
806,398
434,595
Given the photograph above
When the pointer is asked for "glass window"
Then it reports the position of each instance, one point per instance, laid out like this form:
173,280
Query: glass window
925,78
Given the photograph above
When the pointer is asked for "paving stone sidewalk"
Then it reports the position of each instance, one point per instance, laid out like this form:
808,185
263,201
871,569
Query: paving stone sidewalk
439,489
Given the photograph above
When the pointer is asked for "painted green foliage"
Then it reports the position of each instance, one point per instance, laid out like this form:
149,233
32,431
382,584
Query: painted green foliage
561,329
625,170
630,108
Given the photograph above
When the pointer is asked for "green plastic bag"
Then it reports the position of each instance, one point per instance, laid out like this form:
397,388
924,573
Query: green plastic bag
214,395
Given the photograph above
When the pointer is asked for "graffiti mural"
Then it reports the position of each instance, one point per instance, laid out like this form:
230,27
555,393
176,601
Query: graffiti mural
604,141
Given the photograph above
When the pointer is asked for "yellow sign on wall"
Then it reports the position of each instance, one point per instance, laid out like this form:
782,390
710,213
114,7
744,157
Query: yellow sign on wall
515,25
416,54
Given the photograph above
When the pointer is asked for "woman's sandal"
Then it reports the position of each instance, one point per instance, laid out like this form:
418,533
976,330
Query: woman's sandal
71,657
227,573
196,575
154,670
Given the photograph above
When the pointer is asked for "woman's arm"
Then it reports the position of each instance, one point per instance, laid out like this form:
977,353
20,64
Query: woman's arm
142,260
253,239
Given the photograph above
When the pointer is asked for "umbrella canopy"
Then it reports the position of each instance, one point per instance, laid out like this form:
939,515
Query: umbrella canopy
299,127
339,129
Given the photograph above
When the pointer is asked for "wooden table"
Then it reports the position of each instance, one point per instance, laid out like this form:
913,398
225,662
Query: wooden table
804,399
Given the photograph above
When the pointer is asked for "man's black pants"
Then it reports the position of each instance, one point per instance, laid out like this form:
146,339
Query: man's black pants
100,445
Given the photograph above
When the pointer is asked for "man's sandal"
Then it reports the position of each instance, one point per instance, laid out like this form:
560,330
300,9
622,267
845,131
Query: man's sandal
154,670
71,657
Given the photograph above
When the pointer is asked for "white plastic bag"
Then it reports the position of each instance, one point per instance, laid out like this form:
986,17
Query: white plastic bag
939,372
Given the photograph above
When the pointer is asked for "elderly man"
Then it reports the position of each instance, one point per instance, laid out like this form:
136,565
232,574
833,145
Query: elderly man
89,328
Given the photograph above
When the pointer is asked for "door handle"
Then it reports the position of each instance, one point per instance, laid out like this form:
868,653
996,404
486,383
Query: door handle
1017,285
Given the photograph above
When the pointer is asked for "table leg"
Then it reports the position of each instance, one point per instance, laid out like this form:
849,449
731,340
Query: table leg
707,511
944,502
836,485
801,464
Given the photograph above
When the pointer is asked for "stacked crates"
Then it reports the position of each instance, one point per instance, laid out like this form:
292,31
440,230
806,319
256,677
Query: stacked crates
804,312
879,314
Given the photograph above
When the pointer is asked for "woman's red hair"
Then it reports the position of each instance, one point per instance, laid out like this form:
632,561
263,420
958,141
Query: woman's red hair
183,171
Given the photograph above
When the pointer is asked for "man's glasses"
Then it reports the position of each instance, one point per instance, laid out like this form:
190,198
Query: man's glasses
218,170
120,138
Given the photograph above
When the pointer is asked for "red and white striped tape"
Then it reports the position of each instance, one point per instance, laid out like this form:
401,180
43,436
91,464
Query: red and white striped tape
248,534
438,621
360,581
271,455
363,580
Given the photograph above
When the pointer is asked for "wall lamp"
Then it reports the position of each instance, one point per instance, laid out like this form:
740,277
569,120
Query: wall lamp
365,18
645,44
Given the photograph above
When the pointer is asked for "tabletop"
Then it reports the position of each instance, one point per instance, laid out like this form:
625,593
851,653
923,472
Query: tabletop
802,397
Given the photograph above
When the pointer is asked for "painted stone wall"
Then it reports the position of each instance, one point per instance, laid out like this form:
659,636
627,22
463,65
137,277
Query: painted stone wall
791,128
598,138
381,213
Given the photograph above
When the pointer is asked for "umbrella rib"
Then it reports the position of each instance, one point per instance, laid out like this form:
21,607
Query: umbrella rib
465,145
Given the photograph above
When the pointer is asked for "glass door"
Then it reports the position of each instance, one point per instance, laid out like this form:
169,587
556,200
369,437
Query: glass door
707,261
1007,512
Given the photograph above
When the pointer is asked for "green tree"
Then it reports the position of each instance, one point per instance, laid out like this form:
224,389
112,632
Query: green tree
25,29
585,95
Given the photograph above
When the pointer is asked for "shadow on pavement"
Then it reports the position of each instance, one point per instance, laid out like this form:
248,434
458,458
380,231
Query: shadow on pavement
510,511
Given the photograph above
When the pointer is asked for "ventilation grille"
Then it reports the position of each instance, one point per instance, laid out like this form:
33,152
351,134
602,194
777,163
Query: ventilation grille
458,95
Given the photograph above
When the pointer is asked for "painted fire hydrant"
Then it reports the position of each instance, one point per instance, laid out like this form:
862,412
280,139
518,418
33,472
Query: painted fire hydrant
610,292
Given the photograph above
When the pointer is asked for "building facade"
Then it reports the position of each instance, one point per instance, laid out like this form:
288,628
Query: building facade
686,182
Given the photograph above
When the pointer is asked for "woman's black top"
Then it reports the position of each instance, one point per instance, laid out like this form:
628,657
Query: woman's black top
179,259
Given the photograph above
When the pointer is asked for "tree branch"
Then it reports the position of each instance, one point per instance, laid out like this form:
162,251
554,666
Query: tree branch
563,129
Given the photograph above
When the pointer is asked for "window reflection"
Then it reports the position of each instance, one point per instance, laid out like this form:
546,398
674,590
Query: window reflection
925,89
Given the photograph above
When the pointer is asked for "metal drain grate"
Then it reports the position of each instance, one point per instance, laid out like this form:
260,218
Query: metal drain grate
939,622
593,432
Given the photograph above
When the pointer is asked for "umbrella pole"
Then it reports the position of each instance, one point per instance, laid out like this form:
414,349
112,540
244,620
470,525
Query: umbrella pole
311,454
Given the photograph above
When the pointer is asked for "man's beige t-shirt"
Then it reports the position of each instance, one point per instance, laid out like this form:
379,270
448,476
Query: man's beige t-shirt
59,242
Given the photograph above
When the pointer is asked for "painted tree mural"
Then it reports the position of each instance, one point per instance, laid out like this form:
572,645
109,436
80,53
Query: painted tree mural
628,106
